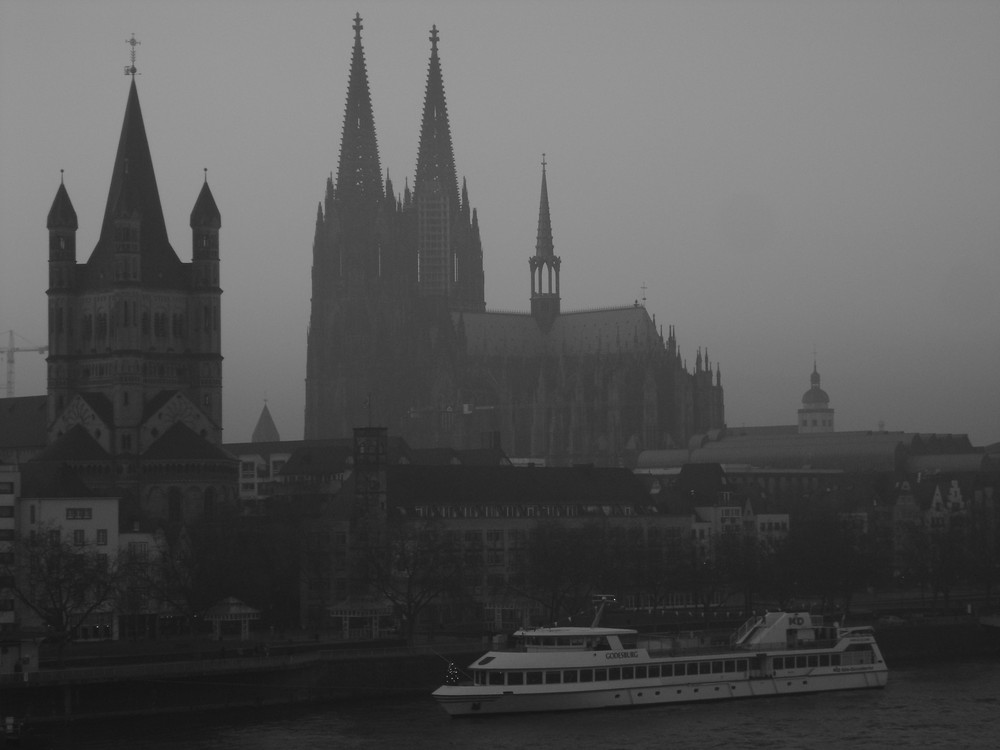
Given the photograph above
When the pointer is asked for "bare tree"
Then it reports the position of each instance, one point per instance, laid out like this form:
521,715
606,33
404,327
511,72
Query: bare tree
61,582
414,567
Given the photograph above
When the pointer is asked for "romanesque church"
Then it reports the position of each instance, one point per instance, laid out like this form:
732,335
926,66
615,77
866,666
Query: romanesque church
400,335
135,362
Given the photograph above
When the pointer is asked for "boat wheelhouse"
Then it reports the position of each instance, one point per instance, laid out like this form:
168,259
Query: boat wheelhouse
573,668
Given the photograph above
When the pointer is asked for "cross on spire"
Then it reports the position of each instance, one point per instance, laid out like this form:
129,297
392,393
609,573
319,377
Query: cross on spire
131,69
434,38
357,27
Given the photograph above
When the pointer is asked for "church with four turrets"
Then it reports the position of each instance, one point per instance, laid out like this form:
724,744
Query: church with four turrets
399,333
135,357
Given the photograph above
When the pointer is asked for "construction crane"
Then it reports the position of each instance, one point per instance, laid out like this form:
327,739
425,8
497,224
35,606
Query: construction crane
10,358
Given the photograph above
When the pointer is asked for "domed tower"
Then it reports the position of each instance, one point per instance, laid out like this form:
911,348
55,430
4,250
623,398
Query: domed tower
815,414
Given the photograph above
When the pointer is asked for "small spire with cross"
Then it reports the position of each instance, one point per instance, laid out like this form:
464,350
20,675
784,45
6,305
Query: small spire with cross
543,162
643,288
357,27
130,70
434,38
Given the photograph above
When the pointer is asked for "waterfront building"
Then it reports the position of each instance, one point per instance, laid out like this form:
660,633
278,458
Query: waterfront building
399,331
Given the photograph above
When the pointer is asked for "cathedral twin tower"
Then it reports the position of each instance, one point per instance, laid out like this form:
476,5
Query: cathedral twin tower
399,334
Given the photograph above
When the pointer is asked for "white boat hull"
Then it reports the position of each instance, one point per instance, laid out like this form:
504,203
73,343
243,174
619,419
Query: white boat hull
465,700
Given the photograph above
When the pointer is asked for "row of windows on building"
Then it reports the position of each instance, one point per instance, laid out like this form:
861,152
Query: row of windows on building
78,536
529,511
99,326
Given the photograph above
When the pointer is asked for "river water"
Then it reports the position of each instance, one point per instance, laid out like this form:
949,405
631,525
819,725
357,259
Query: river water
947,705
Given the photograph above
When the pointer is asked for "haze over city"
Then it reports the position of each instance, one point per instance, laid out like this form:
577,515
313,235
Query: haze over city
777,180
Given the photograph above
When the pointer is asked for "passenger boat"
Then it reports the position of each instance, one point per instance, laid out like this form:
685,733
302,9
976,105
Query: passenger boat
574,668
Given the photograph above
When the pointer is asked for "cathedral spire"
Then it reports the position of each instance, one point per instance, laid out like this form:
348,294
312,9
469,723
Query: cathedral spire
359,176
544,264
543,245
436,157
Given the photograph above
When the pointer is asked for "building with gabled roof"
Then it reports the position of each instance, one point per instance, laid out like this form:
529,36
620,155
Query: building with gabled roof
399,331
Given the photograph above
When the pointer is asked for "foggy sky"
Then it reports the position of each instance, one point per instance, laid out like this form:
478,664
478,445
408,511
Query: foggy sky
782,177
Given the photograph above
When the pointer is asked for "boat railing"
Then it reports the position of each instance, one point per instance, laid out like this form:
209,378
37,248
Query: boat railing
823,643
670,646
746,627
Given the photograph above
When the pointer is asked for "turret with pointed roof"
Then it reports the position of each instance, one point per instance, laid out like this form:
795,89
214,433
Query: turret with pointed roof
265,431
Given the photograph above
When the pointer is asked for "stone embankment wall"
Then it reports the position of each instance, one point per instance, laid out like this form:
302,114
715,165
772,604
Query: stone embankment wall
137,689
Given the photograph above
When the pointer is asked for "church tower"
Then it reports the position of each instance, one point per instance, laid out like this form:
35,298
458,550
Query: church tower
544,265
815,414
133,323
387,274
135,357
449,251
361,276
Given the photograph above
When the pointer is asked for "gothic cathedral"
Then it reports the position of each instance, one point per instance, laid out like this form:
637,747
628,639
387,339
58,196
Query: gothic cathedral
400,336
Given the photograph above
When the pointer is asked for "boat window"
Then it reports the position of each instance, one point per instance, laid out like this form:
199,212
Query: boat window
654,670
548,641
730,665
800,662
485,660
630,641
824,660
628,673
569,675
600,675
779,662
615,673
716,667
835,660
496,678
813,660
667,670
576,641
553,677
534,678
586,675
705,667
640,673
515,678
692,667
742,665
477,677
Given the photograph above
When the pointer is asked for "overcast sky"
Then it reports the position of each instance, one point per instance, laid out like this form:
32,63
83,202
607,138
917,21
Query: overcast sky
776,178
